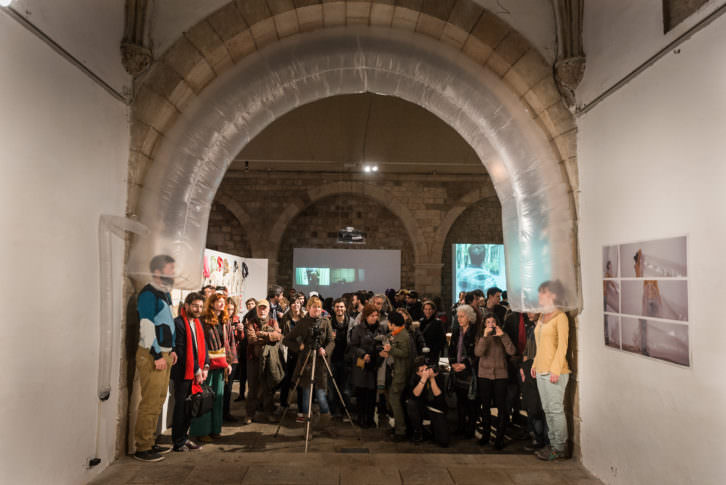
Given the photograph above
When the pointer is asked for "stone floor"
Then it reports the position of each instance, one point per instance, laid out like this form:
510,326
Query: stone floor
253,455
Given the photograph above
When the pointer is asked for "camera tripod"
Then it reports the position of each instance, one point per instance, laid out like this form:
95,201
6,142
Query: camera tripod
308,420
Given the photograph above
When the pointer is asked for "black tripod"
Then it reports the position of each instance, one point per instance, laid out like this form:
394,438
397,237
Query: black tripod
308,421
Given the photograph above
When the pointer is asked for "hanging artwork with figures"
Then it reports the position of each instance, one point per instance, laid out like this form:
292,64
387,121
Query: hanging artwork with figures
645,298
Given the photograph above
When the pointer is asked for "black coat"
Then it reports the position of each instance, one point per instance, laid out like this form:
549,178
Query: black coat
180,336
434,334
363,341
468,358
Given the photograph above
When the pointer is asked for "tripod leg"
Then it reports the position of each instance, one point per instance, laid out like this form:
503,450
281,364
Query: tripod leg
340,396
297,383
310,400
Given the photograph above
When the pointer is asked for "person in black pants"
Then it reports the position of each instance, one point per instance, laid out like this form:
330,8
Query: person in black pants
463,365
433,330
492,348
340,322
191,368
427,401
367,352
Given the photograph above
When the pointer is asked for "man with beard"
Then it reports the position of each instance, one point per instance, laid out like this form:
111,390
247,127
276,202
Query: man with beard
190,370
340,323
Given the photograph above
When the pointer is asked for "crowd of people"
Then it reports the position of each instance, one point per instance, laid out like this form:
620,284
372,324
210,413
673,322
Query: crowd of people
387,360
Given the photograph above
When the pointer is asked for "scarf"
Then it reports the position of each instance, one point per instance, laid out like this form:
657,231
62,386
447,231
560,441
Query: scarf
397,331
189,364
522,335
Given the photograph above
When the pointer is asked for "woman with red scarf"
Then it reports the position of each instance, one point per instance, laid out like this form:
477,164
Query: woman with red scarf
191,367
214,317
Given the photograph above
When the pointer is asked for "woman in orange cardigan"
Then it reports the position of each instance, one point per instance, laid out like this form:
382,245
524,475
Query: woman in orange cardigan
550,368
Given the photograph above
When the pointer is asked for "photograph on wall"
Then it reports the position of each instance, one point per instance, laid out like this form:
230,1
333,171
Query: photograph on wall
632,331
610,262
666,299
611,296
612,331
662,258
646,296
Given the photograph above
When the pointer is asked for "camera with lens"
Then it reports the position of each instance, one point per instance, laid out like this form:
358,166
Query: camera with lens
317,336
431,362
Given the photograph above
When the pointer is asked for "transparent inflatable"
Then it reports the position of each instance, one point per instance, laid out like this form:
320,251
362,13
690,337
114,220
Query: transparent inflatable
538,217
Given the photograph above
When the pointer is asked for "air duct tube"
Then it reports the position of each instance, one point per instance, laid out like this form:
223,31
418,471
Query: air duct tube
538,217
107,226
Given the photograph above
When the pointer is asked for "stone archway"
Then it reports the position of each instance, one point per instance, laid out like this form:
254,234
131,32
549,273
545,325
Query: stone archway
530,184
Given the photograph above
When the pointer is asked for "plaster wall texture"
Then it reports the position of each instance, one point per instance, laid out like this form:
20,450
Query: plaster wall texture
90,30
619,35
651,166
65,160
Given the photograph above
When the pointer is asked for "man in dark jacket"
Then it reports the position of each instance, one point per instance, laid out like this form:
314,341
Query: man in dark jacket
414,307
428,401
516,325
340,323
432,330
185,378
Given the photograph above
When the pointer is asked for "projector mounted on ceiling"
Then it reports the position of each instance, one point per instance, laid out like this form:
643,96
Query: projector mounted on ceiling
350,235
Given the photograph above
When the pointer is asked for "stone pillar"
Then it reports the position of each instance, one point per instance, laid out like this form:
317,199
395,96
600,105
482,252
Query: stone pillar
428,278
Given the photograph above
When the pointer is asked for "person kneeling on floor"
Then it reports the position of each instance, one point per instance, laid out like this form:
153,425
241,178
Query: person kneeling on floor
428,402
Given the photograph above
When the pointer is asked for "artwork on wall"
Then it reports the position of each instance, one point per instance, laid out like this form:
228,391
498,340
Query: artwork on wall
645,298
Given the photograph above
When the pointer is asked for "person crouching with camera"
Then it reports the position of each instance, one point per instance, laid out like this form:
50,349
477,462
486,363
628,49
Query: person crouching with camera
428,402
312,332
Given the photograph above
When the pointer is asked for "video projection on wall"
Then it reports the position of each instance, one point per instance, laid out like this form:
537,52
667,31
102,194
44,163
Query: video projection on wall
477,266
332,272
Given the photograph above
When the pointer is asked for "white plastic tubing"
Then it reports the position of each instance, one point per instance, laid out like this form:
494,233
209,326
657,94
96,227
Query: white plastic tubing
109,225
538,217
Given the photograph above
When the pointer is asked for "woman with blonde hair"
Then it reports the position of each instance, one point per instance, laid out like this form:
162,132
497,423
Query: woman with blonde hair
214,317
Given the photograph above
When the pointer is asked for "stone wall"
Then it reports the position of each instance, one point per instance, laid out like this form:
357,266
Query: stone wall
479,224
422,208
225,232
318,225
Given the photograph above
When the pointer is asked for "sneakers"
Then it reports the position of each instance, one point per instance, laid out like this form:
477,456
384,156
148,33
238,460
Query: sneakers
148,455
548,454
300,418
162,450
192,445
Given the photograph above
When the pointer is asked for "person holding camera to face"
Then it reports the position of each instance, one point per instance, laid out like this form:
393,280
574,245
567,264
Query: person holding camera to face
428,402
312,332
492,349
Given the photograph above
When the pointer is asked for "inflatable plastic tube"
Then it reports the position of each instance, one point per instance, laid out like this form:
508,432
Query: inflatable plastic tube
538,216
107,226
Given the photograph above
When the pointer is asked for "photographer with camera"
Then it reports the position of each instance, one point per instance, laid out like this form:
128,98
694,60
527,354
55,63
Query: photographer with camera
492,348
428,402
312,332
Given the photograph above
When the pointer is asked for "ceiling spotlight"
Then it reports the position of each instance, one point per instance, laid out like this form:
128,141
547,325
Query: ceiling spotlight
374,168
366,168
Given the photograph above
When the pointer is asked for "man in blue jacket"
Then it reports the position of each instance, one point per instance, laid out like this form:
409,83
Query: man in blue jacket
155,354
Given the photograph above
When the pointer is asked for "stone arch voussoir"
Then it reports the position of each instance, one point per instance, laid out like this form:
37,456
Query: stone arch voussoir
236,30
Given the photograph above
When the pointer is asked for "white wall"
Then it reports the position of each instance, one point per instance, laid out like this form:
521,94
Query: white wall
91,30
652,166
64,150
620,35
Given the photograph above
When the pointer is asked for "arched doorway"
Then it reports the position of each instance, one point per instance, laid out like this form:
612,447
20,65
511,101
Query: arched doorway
537,207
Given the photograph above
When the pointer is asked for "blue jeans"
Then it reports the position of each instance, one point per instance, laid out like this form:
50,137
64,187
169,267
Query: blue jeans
553,397
319,395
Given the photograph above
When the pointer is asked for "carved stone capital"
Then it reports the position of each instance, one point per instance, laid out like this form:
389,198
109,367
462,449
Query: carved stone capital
135,58
568,74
